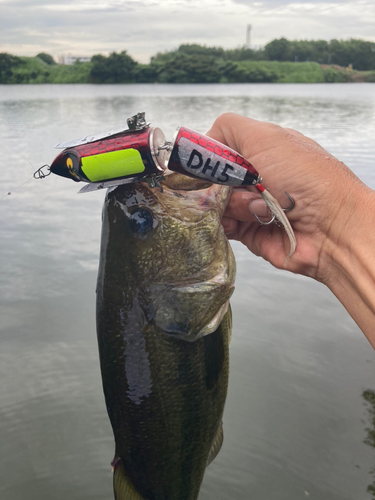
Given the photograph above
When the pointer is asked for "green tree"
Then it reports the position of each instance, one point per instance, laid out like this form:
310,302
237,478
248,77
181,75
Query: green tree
359,53
46,58
244,54
301,51
203,50
116,68
320,51
146,73
279,50
183,68
7,64
190,49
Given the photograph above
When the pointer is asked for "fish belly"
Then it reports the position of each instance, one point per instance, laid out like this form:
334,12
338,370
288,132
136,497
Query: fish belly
165,398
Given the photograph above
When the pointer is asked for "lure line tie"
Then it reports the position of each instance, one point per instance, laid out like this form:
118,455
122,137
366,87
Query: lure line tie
39,174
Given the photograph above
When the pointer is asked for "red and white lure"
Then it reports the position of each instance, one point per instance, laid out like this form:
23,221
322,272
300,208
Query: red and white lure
141,152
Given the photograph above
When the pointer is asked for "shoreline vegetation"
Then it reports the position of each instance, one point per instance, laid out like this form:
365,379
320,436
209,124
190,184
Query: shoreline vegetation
280,61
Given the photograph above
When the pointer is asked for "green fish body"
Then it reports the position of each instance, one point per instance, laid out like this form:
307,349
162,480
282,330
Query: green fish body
163,320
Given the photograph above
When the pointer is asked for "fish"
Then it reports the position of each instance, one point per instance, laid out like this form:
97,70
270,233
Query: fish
166,274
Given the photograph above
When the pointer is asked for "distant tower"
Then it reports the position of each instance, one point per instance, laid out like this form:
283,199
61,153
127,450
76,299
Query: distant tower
248,36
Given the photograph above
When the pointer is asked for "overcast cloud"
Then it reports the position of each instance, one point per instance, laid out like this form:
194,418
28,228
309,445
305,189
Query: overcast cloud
86,27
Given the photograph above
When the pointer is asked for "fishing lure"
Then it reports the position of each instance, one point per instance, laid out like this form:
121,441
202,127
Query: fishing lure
142,153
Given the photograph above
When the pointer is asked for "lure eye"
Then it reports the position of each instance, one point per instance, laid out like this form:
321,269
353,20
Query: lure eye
141,221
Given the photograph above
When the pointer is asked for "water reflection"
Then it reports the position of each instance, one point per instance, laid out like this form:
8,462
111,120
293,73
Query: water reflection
369,397
292,421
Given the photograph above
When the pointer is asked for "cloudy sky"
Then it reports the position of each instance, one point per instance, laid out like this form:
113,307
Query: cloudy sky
86,27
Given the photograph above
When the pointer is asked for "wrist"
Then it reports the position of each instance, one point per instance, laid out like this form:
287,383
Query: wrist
349,241
347,261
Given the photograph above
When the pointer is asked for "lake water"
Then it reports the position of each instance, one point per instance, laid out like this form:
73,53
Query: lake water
295,420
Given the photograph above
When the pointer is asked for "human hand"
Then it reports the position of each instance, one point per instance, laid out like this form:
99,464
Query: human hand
325,191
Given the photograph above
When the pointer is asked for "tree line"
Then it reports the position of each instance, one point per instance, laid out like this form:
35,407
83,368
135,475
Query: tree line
193,63
359,53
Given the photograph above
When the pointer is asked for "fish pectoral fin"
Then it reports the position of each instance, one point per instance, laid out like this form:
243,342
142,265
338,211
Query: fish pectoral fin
122,486
216,445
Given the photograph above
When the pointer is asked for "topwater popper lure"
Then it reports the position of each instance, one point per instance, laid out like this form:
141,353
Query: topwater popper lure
142,153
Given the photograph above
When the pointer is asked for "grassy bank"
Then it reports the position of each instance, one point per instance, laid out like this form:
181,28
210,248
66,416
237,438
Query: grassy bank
179,69
347,75
291,72
35,70
279,72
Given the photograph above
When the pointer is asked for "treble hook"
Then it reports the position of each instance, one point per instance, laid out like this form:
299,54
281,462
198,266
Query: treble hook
292,203
288,209
265,223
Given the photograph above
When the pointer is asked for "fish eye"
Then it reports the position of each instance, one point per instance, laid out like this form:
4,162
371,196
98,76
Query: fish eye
141,221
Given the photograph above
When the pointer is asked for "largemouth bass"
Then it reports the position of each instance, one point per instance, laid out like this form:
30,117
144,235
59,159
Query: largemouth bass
163,320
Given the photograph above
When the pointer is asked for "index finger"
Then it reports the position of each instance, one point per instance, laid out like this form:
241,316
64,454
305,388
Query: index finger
245,135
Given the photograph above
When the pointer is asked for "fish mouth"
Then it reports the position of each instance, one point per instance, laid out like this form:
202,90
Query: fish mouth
197,194
179,182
